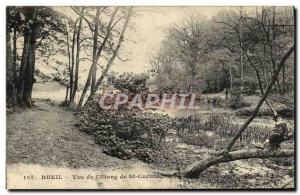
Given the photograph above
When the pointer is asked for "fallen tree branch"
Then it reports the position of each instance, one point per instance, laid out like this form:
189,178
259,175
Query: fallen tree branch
194,170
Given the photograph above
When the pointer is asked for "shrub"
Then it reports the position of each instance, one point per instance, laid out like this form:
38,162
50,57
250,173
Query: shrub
124,131
284,112
249,86
131,82
216,101
236,102
201,138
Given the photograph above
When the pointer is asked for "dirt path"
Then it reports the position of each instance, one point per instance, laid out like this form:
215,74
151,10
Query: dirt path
43,140
46,135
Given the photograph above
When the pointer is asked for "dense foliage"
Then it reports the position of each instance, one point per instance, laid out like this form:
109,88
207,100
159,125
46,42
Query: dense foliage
125,133
132,83
236,49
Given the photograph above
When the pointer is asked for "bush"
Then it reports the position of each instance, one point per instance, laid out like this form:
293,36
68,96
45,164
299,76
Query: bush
284,112
249,111
249,86
134,83
216,101
125,133
236,102
201,138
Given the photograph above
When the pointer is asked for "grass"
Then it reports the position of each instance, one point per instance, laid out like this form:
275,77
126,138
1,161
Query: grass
215,130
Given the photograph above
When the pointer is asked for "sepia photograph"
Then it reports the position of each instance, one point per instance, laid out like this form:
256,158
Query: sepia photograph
150,97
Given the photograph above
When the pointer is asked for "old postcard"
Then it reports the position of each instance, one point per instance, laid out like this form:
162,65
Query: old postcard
121,97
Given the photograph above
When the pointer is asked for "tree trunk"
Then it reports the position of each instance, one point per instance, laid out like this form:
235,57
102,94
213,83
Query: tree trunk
194,170
273,47
69,62
241,54
263,67
14,69
29,71
24,80
72,63
230,74
94,78
66,97
10,79
283,80
25,53
94,65
77,57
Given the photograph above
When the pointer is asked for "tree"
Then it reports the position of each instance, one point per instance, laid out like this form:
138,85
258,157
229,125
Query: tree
41,28
226,155
69,64
258,49
71,71
253,44
115,53
96,52
28,57
10,65
190,51
112,23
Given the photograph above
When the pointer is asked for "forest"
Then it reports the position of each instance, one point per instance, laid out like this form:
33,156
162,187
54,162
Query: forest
239,63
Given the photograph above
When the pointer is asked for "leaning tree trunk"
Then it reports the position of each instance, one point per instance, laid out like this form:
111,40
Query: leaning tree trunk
194,170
